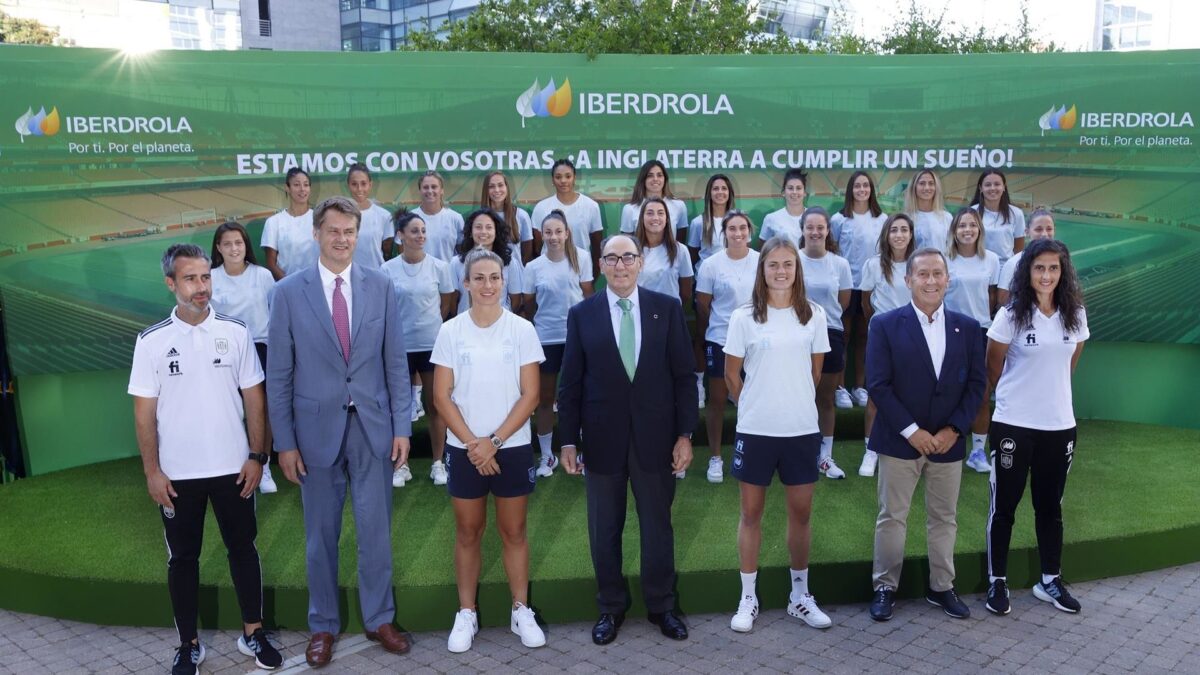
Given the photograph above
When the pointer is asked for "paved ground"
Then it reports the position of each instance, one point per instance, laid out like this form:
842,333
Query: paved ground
1144,623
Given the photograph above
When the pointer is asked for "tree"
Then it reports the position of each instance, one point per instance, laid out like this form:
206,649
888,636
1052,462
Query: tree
921,33
17,31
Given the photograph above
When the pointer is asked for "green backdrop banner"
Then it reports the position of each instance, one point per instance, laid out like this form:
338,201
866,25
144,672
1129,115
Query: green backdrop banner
109,156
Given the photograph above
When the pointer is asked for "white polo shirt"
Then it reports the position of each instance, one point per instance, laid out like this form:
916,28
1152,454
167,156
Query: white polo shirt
196,373
1034,390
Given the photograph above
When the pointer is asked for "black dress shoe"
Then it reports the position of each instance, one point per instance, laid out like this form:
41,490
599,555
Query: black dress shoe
670,624
882,603
949,602
605,630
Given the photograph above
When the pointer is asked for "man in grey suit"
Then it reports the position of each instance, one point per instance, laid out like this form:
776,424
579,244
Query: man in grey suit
339,402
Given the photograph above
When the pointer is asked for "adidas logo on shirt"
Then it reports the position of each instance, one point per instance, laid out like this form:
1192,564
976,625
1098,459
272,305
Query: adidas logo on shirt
172,352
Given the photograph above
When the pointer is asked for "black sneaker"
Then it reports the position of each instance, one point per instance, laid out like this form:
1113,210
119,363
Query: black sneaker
1056,594
257,645
949,602
997,598
882,604
188,658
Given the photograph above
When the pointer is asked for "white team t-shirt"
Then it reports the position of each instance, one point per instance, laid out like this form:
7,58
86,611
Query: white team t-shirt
933,229
513,283
676,215
858,239
246,297
524,233
658,274
419,288
1008,270
781,224
443,232
1034,390
999,235
969,282
778,396
695,238
824,278
374,229
730,283
292,238
885,296
197,374
555,287
583,217
487,371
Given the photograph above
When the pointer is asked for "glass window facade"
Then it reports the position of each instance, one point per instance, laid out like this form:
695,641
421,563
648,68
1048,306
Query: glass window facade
1125,26
382,25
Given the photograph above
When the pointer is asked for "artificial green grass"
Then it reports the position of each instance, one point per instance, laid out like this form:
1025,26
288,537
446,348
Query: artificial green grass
97,522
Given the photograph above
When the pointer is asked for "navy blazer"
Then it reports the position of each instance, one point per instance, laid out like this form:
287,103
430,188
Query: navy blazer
902,384
599,405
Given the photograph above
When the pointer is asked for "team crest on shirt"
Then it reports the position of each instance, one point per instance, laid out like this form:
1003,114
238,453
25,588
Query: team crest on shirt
221,345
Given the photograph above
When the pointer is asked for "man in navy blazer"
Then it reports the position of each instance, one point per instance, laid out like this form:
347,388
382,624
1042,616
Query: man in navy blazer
926,375
339,402
628,397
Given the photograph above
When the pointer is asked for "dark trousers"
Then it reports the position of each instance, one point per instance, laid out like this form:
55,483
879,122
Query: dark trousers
1045,457
653,493
184,530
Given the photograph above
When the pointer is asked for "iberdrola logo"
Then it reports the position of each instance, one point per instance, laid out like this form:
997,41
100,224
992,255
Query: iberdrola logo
41,124
1060,119
550,101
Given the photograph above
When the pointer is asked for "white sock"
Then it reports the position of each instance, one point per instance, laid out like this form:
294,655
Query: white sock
748,581
1047,578
544,443
992,580
826,447
799,584
867,443
978,441
700,377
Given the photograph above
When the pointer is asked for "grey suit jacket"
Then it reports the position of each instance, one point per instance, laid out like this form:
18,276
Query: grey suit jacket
309,383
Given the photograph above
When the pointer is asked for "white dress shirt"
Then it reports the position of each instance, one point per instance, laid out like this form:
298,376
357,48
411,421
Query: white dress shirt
328,283
934,330
616,312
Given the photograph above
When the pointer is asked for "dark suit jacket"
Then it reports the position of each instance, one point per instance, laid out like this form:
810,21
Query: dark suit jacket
902,385
309,382
598,404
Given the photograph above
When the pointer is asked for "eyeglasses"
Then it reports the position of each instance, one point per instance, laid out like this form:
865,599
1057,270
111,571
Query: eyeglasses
612,259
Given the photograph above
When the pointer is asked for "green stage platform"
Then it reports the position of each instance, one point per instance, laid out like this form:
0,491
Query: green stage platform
86,543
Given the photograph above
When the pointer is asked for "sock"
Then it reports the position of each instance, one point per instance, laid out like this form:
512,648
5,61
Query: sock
748,581
992,580
978,441
826,447
867,443
1047,578
544,443
799,584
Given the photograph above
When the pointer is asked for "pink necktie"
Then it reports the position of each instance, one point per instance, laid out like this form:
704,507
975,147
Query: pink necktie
341,318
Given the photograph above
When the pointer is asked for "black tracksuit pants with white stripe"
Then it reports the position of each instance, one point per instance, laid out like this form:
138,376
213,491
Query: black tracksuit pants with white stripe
1045,457
184,530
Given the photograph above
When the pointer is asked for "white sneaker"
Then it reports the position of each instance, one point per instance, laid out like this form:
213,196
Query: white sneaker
525,625
860,397
807,611
401,476
680,475
867,468
831,469
716,470
747,612
841,398
978,460
418,409
546,466
466,625
437,473
267,484
700,391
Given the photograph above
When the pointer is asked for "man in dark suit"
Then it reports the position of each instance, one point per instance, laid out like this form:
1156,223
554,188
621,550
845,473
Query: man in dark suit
926,374
340,408
628,394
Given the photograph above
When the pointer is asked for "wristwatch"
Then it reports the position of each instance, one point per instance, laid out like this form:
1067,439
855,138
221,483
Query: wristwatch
260,457
496,442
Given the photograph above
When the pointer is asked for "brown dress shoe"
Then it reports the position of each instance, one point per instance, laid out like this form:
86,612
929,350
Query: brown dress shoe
391,639
320,649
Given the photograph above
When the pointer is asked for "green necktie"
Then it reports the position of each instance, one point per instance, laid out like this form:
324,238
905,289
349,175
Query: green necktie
628,342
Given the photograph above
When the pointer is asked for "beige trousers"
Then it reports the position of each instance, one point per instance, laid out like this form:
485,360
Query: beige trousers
897,481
